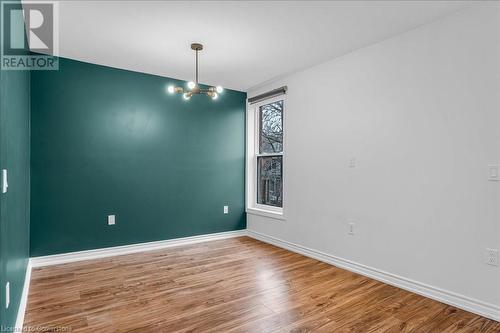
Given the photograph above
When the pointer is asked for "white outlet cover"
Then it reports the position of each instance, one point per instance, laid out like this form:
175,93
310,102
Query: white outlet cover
352,162
493,172
111,220
491,257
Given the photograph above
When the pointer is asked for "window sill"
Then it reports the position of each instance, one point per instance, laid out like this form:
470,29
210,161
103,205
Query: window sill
266,213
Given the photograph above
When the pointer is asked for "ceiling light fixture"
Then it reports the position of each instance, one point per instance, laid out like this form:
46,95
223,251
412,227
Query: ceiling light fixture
194,87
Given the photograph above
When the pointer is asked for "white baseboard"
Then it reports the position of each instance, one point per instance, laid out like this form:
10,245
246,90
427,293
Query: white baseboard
24,299
484,309
57,259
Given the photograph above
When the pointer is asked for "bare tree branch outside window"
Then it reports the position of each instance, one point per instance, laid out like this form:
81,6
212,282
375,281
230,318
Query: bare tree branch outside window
269,163
271,128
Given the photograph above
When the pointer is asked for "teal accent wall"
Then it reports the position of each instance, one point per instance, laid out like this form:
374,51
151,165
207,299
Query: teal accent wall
14,205
109,141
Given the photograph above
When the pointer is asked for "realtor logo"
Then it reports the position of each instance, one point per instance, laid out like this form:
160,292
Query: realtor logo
29,35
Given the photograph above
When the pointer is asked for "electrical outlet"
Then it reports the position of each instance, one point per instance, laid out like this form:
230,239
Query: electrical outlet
7,295
351,228
493,172
111,220
491,257
226,209
352,162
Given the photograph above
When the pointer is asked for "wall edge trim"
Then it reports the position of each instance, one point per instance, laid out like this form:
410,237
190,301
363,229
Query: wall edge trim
24,299
64,258
463,302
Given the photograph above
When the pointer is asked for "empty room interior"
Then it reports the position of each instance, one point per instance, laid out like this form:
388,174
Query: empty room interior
250,166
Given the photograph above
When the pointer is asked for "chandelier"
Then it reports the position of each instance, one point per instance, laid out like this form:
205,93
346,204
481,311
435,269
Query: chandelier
194,87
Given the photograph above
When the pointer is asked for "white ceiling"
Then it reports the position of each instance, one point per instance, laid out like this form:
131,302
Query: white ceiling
246,43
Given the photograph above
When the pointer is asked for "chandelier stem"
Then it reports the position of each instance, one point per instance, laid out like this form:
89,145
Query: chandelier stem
196,67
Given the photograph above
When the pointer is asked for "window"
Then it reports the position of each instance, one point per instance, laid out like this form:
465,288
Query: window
265,157
270,155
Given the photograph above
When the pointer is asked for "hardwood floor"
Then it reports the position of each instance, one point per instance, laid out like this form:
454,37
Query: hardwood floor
233,285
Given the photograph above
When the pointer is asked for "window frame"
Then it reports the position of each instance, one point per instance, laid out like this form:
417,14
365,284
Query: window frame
253,152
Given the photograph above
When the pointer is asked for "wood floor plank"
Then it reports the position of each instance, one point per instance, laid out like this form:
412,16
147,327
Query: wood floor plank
232,285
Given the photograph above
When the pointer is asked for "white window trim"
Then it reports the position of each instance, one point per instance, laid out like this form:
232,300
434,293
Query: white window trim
252,126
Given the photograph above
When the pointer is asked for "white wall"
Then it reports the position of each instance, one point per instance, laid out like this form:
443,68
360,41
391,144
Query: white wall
420,113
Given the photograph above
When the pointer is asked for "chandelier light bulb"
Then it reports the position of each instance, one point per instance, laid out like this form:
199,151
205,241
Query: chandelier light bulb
191,84
215,95
171,89
219,89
